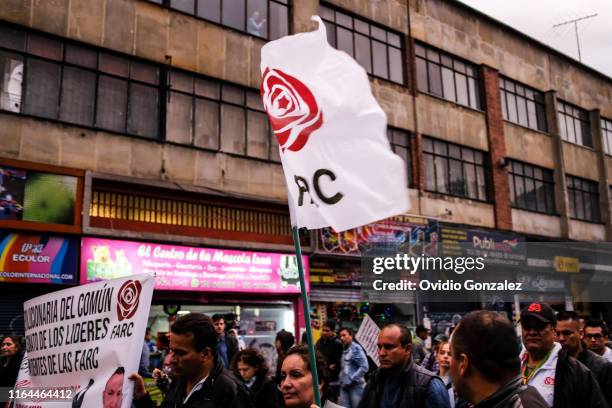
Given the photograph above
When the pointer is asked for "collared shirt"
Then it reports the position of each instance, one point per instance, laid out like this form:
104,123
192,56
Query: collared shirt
223,350
195,388
607,354
250,383
543,379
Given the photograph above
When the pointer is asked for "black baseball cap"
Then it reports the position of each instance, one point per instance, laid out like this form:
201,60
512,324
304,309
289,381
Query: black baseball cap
540,311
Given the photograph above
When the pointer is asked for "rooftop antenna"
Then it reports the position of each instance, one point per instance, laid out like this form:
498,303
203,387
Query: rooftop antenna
575,21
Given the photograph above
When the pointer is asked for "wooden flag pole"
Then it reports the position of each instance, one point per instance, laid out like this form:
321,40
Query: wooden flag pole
306,304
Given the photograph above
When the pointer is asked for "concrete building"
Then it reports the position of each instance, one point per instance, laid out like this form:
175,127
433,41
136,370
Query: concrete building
152,106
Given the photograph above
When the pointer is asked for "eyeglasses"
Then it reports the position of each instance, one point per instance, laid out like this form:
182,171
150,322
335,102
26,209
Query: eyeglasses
595,336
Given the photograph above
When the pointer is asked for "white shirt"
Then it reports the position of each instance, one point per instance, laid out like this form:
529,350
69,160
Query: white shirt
607,354
543,379
195,388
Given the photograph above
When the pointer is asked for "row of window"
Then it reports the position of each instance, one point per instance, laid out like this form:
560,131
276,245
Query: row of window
522,105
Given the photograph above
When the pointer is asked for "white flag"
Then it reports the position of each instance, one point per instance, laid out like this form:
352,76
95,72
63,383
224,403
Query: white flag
339,167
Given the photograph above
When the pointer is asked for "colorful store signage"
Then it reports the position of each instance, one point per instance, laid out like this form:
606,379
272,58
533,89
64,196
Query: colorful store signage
191,268
38,259
412,234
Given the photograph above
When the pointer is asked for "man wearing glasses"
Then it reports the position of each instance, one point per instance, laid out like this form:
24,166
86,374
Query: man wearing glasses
596,337
562,381
399,382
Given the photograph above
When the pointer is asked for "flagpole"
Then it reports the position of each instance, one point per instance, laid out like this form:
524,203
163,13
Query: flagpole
305,303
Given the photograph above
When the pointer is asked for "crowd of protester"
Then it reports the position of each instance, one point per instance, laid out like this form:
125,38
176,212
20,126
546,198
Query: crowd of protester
560,360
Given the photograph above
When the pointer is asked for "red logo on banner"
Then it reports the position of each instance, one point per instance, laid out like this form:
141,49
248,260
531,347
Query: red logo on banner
549,381
291,107
128,299
535,307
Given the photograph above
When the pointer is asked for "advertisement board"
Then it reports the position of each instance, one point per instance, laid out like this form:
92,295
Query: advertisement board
191,268
27,258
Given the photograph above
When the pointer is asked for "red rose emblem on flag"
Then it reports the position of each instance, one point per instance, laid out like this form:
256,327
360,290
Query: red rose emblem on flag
291,107
128,299
535,307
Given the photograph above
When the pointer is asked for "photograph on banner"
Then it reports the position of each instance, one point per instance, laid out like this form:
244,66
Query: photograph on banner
84,342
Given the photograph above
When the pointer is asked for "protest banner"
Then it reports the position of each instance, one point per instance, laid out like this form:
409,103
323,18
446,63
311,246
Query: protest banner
367,336
83,343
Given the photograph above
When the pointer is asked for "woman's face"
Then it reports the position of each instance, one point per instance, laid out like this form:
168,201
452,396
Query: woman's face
246,371
296,383
444,355
9,347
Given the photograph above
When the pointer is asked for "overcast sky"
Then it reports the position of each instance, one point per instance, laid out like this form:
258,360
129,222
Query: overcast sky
537,17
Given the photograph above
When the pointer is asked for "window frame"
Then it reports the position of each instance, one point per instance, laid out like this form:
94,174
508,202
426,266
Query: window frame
437,157
548,183
391,133
195,14
371,40
575,189
505,85
565,111
439,67
606,133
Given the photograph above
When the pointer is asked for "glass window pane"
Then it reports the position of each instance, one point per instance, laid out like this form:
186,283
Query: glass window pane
456,185
207,124
441,165
254,101
232,128
420,50
112,104
345,40
257,24
540,196
362,27
504,108
330,29
78,96
441,148
522,111
179,120
512,110
433,55
233,94
511,178
362,52
394,39
396,66
530,197
188,6
45,47
279,20
448,84
257,135
145,73
454,151
42,88
430,172
81,56
143,111
474,93
471,180
378,33
233,14
12,38
580,205
462,92
435,79
587,140
11,81
482,183
181,82
209,89
427,145
326,13
578,131
531,115
460,67
421,71
379,51
112,64
344,20
210,10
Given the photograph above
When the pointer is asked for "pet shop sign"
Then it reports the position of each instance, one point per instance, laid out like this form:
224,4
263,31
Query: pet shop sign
191,268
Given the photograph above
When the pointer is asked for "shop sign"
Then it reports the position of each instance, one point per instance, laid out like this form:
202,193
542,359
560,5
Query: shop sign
415,235
26,258
191,268
499,248
566,264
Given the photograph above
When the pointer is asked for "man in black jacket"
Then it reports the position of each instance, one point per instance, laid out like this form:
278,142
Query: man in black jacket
331,347
227,343
201,381
485,364
562,380
570,336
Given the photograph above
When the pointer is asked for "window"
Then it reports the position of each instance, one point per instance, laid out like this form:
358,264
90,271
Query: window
455,170
447,76
209,114
531,187
574,124
400,144
57,80
606,132
522,105
583,199
378,50
267,19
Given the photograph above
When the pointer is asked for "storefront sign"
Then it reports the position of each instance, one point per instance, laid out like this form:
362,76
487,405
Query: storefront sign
414,235
38,259
84,341
566,265
499,248
191,268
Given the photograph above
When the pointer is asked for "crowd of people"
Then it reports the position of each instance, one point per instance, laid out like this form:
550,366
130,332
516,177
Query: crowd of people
560,360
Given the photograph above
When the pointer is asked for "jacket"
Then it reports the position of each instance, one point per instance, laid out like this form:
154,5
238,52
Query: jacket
8,373
601,369
354,365
232,347
418,388
564,382
266,393
220,389
332,351
514,394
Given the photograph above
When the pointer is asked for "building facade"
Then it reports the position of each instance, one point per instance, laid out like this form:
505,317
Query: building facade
153,107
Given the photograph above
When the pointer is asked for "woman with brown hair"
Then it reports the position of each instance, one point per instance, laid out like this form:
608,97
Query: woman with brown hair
10,361
296,377
251,366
